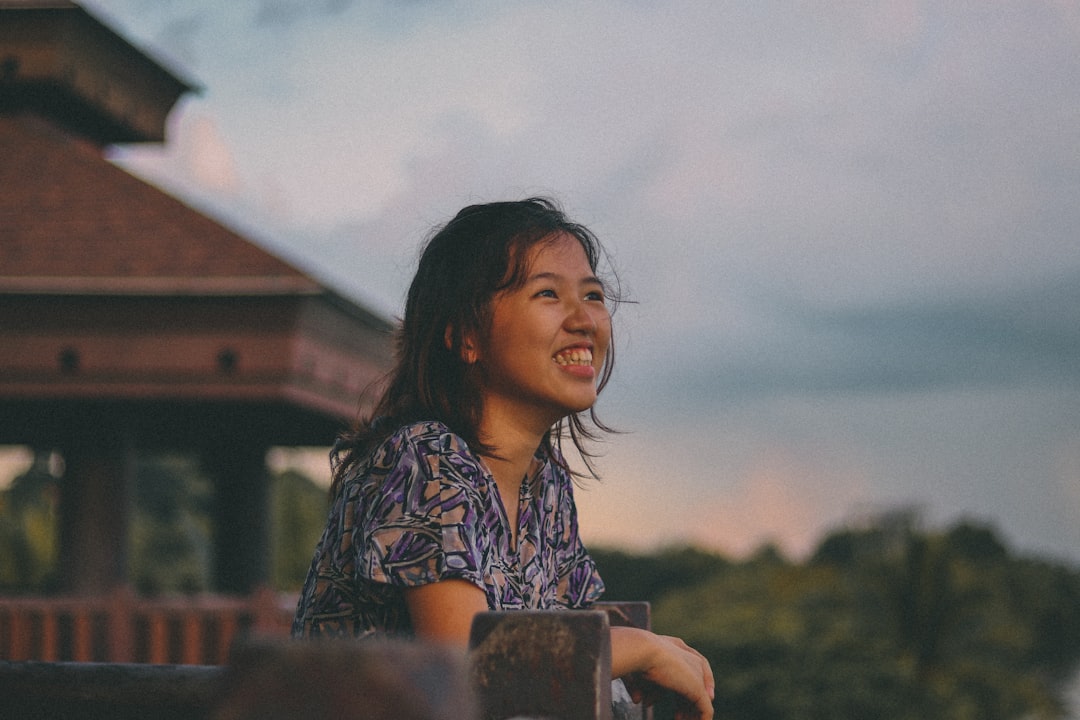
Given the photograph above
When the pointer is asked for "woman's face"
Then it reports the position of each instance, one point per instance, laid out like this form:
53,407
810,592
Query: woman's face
548,338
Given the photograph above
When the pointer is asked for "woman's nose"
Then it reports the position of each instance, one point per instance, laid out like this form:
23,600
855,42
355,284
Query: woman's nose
580,318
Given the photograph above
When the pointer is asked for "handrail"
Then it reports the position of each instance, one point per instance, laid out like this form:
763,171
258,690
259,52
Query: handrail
523,664
121,627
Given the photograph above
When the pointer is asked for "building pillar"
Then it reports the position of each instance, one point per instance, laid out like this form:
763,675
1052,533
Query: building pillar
95,503
242,546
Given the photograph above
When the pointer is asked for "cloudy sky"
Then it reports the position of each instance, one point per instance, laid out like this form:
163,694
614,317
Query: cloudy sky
850,229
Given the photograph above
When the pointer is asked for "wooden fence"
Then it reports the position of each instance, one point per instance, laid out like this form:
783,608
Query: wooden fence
123,628
533,664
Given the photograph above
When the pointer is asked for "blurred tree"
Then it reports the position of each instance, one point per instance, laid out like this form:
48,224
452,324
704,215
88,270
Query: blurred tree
299,508
885,621
170,541
171,526
28,530
630,576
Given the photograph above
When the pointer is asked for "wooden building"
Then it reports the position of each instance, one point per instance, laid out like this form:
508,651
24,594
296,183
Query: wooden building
131,322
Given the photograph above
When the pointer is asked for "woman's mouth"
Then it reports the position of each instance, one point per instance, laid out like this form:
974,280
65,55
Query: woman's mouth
574,356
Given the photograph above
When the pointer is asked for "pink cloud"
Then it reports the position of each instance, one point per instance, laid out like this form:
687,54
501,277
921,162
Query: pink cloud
207,156
779,495
778,501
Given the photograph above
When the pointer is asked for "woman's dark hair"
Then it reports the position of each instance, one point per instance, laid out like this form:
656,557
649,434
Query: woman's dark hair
479,253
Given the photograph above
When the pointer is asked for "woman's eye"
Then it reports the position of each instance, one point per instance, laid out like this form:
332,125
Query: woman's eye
546,293
598,296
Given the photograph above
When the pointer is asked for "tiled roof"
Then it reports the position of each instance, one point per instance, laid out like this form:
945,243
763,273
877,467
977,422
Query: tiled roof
70,221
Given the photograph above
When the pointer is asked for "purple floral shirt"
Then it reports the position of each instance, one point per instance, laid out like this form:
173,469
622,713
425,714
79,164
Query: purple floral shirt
423,508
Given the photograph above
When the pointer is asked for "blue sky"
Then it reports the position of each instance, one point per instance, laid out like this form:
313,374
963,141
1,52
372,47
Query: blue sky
850,229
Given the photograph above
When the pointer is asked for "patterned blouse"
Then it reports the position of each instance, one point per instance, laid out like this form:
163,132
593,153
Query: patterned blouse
422,508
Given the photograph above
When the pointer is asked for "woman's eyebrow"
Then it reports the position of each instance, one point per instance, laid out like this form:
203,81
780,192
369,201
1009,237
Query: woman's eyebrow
553,276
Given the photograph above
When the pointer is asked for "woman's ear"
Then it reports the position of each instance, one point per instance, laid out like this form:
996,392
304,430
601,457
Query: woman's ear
469,353
468,345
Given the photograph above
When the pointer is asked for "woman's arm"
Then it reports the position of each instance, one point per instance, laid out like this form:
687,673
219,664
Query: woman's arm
443,611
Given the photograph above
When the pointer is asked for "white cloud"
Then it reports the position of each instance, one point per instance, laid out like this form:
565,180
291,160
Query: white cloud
799,195
209,159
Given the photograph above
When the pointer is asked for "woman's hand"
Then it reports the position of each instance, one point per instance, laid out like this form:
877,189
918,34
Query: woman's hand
658,660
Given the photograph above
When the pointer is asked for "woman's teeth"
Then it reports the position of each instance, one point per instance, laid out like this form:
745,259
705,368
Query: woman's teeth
578,356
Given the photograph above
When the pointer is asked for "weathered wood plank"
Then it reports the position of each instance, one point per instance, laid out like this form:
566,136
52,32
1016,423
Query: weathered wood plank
542,664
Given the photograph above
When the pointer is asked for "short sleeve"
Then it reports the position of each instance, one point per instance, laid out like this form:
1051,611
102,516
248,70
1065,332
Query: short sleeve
422,523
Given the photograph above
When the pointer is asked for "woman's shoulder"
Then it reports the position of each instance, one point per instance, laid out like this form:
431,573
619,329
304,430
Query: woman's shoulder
410,449
422,431
424,438
423,452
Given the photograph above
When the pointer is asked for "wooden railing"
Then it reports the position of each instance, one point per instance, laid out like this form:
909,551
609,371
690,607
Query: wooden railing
123,628
523,664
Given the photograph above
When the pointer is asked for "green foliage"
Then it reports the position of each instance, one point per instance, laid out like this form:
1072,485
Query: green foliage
28,531
171,530
630,576
885,621
299,508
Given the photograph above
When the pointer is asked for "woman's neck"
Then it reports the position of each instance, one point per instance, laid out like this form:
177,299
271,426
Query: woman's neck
512,454
513,447
512,435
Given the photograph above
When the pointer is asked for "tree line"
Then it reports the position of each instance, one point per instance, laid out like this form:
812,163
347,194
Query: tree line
885,620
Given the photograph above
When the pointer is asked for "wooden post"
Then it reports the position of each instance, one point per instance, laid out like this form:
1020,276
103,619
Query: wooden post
50,638
158,625
82,635
21,633
192,637
120,623
226,634
94,500
242,527
542,664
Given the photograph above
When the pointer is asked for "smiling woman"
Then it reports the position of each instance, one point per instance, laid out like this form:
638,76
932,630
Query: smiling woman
454,496
547,340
